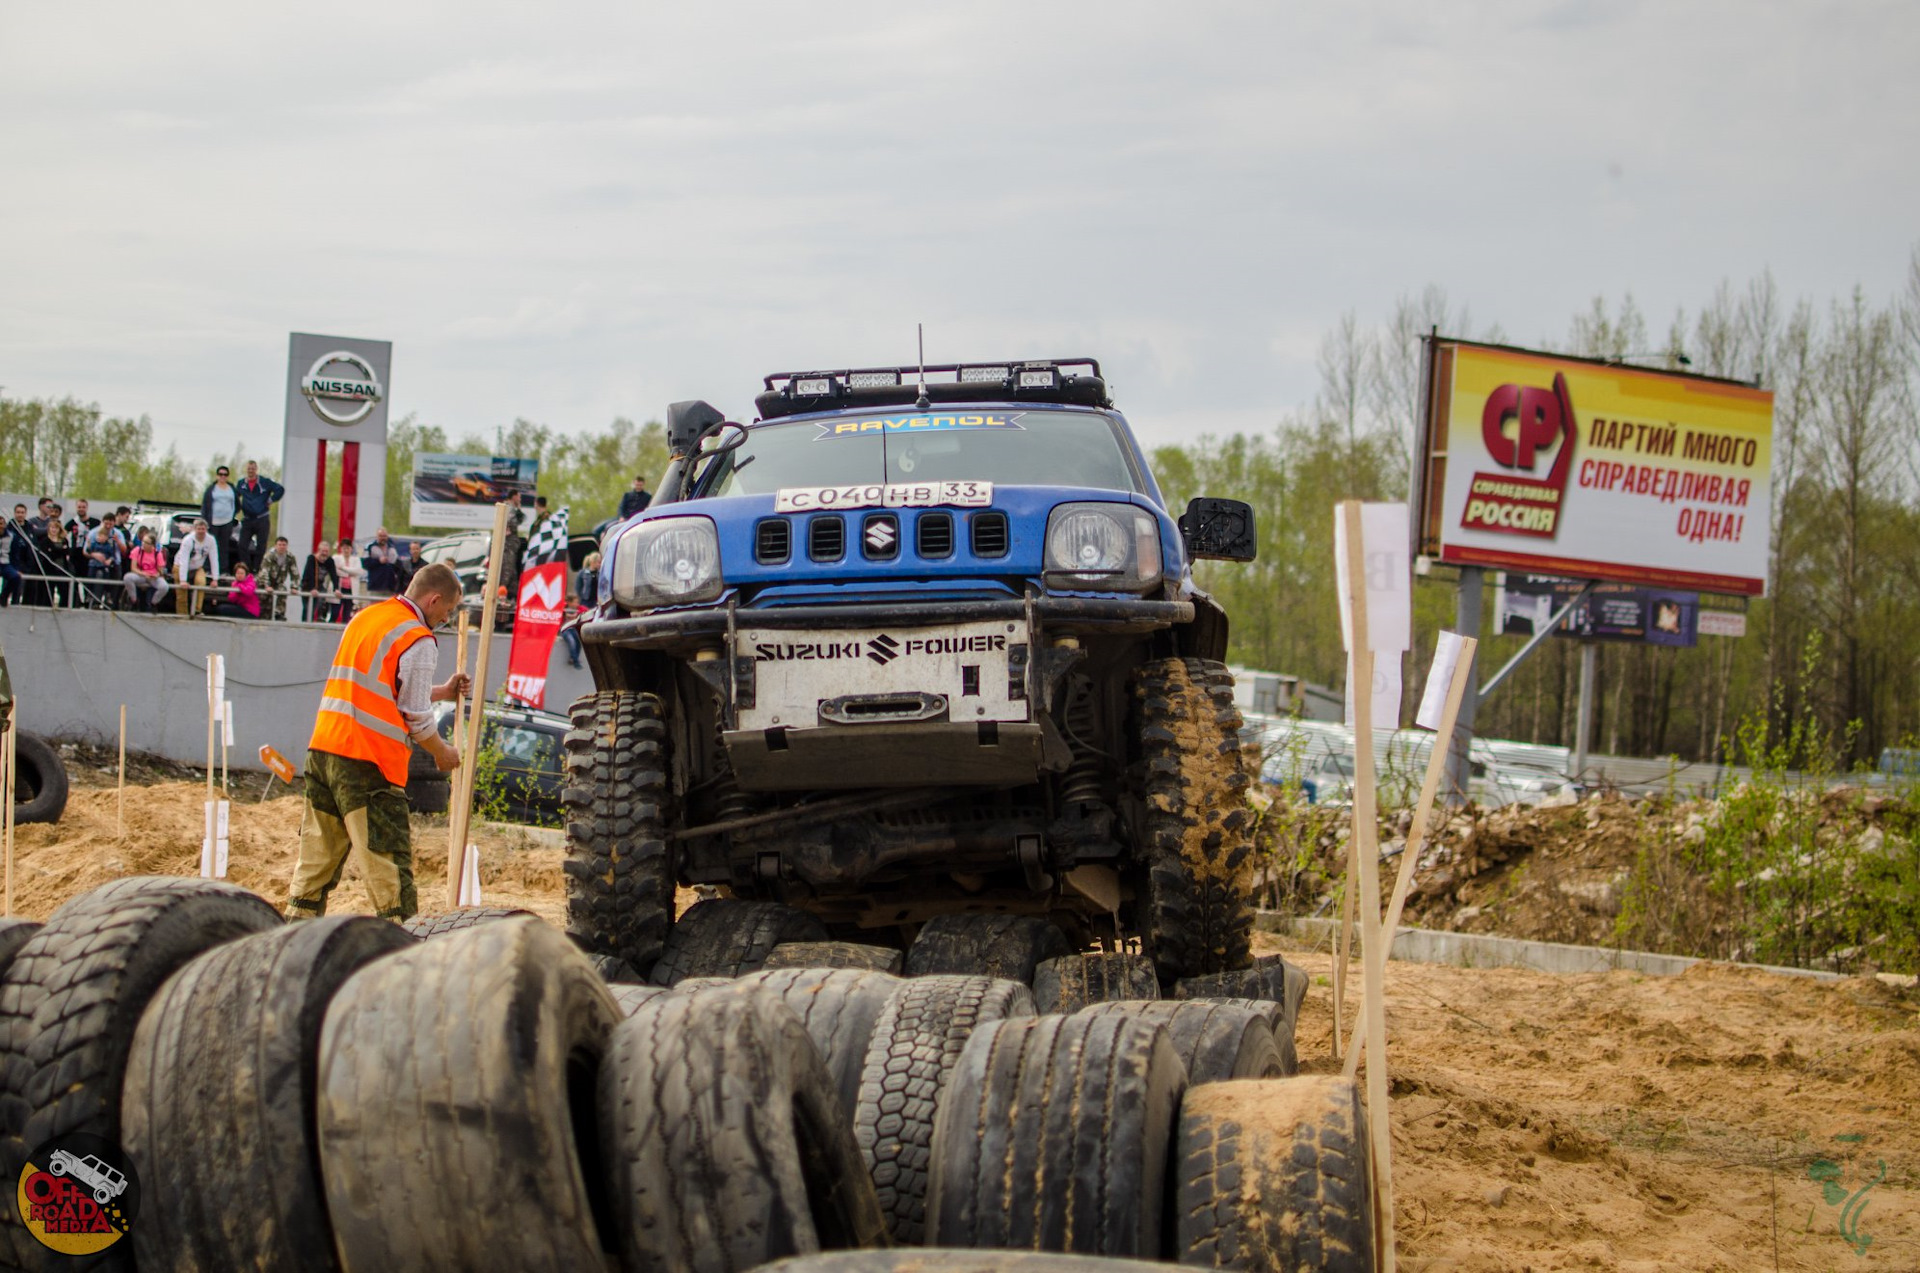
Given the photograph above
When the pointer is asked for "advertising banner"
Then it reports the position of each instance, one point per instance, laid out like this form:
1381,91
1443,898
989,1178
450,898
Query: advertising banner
1611,612
541,607
1593,470
459,491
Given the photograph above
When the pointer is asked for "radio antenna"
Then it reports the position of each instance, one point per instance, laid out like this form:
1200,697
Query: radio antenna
920,330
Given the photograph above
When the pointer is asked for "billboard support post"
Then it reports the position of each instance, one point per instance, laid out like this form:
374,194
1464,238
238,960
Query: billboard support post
1583,730
1466,621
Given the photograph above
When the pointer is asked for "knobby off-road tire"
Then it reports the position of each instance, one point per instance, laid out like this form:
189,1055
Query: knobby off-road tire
838,1007
1071,982
928,1260
1274,1176
724,937
615,971
1053,1136
619,866
1272,986
217,1107
1193,852
834,954
71,999
40,792
1216,1041
915,1042
455,1106
425,926
725,1139
1006,946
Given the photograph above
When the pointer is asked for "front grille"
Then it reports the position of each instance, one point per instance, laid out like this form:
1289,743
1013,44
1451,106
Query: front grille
827,537
880,536
772,541
933,535
990,538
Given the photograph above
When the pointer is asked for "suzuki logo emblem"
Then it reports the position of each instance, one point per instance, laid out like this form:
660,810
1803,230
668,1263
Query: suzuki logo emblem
883,649
881,534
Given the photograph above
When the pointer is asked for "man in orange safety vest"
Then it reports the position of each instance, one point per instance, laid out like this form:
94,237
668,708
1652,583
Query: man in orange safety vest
377,705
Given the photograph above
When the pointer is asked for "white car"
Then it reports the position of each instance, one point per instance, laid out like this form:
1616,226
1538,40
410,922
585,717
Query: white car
106,1183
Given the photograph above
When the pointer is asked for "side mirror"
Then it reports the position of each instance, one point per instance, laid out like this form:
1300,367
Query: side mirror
1218,529
686,421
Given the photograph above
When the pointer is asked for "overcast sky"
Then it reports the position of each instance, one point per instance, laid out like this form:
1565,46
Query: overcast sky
576,211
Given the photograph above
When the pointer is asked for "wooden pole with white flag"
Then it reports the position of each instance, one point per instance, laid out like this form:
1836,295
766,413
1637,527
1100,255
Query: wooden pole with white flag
460,813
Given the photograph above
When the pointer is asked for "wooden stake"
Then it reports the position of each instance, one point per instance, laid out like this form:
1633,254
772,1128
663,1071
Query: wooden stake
461,811
1366,845
121,798
1342,951
1429,794
9,760
457,783
208,848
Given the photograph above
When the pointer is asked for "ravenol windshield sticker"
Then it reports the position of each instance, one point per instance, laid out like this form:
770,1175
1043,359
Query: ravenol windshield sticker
915,424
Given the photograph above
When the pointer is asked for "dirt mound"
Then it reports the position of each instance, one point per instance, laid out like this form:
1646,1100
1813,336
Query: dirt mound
164,826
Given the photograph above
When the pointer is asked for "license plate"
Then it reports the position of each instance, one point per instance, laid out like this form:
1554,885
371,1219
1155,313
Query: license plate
819,499
967,664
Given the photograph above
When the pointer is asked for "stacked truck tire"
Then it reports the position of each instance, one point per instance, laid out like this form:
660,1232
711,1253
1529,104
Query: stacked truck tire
478,1094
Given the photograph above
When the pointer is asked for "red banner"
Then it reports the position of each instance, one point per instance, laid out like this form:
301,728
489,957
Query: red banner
536,622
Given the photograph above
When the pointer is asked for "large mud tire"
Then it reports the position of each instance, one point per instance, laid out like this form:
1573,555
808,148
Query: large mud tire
726,1142
1054,1136
725,937
838,1007
1216,1041
1272,986
915,1042
40,791
925,1260
834,954
454,1109
425,926
1071,982
619,865
72,998
217,1107
1190,828
1274,1176
1009,947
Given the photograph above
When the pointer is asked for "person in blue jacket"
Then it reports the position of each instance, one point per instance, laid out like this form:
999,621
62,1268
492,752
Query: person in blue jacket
257,495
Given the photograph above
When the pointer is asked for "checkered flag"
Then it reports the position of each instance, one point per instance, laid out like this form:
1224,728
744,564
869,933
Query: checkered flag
549,542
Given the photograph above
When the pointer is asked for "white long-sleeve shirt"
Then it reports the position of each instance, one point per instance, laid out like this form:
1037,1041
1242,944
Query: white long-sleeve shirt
196,554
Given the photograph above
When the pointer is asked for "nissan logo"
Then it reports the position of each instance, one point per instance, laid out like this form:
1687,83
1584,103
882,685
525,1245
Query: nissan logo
323,387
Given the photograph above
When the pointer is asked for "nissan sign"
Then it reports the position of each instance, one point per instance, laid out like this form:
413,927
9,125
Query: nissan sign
338,397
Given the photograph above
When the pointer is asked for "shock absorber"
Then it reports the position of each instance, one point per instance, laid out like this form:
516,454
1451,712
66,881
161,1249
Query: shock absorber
1080,784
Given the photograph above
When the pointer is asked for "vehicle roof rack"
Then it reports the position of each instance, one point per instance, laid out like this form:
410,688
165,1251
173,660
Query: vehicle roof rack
1035,380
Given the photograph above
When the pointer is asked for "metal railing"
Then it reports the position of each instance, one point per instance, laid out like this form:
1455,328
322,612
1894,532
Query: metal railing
64,591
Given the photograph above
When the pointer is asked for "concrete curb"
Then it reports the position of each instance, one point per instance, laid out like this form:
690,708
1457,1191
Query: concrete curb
1472,950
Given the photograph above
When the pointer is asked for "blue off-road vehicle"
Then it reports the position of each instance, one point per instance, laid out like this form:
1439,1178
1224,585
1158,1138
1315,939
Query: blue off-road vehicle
917,642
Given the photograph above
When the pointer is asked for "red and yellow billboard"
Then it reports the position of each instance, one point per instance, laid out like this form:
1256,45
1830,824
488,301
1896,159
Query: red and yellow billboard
1592,470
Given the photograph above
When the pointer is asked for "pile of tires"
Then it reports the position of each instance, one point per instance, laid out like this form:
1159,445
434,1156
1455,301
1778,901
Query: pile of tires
342,1093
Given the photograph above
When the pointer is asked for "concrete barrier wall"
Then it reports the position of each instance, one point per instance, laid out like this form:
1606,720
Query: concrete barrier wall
72,669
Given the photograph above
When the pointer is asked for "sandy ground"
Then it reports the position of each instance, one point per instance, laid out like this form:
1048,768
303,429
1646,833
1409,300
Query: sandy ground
1605,1121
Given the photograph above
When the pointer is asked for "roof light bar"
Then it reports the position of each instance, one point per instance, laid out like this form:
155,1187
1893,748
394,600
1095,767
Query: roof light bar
871,379
977,375
813,387
1039,377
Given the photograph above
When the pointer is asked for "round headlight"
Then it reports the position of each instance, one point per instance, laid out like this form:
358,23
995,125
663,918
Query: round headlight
1087,543
1102,547
667,561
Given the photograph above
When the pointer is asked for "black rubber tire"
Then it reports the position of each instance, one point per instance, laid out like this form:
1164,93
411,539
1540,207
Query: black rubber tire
1009,947
1274,1176
1054,1135
40,792
838,1007
619,864
1071,982
1215,1040
615,971
217,1107
725,1138
1192,847
835,954
916,1040
14,933
454,1108
429,795
71,999
724,937
453,921
934,1260
630,996
1272,984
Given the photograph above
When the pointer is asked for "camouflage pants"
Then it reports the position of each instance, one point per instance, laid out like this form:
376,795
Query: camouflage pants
352,809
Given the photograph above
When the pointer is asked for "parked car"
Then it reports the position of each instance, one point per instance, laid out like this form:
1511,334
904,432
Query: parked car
524,774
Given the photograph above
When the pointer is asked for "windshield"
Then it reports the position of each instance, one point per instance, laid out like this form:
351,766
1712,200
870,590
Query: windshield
1011,448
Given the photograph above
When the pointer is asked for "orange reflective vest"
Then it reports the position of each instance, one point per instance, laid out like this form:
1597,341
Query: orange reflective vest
360,709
